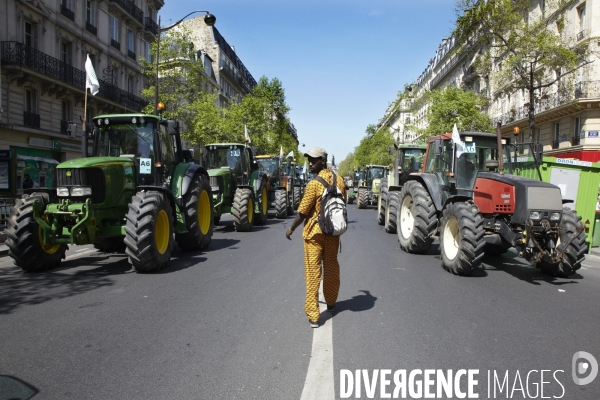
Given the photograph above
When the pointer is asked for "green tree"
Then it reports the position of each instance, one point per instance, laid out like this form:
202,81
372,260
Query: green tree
347,165
373,148
520,52
450,105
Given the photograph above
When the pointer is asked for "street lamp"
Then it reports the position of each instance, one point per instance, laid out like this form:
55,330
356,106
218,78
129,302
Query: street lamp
209,20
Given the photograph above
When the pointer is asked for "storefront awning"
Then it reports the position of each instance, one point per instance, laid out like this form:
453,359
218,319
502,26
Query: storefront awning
41,159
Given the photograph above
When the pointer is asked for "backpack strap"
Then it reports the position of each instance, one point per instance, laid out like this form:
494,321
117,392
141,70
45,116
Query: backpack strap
322,181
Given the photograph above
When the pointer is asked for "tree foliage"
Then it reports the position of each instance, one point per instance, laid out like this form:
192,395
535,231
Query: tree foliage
182,82
521,50
451,105
373,148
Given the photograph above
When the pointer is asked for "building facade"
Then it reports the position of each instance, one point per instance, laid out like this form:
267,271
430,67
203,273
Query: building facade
43,48
567,114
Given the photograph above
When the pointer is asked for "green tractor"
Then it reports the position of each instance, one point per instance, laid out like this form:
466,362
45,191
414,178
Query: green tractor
409,158
368,191
353,185
281,185
138,191
238,186
293,171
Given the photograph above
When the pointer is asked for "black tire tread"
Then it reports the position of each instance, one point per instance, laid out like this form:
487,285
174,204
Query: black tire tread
280,204
425,219
383,196
194,239
362,198
393,206
240,210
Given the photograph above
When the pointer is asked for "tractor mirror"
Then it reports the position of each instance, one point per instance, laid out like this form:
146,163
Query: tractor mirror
173,127
254,151
187,155
438,146
390,150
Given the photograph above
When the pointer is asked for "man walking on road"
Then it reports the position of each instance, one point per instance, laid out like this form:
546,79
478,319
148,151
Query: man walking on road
319,249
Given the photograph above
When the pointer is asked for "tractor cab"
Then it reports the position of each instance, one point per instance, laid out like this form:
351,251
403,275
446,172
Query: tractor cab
234,159
152,143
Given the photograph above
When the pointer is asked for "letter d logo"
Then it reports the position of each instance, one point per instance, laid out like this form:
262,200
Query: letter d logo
581,367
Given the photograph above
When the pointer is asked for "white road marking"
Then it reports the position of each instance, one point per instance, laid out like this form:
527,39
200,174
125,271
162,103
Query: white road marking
319,383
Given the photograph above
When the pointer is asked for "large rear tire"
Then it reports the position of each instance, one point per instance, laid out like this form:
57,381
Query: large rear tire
362,199
25,240
391,212
417,219
382,201
149,231
461,238
262,200
199,219
574,253
243,210
297,197
290,203
281,204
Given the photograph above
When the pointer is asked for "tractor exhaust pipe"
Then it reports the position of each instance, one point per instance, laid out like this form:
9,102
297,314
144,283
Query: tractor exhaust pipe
499,140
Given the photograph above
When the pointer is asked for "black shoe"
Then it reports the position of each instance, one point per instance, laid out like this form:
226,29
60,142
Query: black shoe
313,324
331,308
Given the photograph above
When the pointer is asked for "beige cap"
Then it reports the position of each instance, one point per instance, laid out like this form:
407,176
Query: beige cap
316,152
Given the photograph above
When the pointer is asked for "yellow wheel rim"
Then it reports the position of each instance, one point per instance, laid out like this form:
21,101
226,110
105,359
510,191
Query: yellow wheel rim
162,232
265,205
204,212
48,248
250,210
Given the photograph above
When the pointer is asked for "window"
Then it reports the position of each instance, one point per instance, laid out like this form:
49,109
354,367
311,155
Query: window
130,41
66,110
114,29
556,140
539,135
147,51
130,83
581,16
90,13
66,3
31,101
31,35
115,76
576,131
65,53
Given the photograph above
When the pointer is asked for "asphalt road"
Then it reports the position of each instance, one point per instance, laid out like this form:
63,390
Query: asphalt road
229,323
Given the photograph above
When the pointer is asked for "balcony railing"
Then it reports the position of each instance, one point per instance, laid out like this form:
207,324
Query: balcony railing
31,120
115,44
151,26
15,53
91,28
131,54
64,10
582,90
133,10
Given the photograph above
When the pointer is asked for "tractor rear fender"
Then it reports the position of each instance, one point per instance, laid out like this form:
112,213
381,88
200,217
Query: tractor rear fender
176,206
52,197
188,175
432,185
262,175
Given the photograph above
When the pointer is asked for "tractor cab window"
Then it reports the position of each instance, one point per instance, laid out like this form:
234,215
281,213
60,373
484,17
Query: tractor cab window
269,165
124,140
167,154
375,173
413,160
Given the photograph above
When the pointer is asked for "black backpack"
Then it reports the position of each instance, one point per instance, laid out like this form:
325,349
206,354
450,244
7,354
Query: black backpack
333,218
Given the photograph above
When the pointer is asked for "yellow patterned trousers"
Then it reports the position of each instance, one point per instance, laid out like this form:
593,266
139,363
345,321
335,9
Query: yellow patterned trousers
321,249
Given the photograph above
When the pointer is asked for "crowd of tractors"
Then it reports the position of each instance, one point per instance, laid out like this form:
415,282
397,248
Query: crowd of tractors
140,191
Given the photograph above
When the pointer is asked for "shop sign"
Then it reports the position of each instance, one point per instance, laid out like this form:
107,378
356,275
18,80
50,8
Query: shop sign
574,162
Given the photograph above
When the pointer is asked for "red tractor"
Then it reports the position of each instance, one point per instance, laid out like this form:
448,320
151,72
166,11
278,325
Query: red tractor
463,196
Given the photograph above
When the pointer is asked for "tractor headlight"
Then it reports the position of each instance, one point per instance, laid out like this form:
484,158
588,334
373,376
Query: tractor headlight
534,215
555,216
81,191
62,191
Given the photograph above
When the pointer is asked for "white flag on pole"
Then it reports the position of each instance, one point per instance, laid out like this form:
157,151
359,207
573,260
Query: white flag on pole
91,81
281,152
246,137
290,154
304,170
460,146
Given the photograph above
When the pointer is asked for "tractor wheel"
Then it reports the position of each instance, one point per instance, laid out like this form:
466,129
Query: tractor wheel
350,200
243,210
461,238
114,244
362,199
280,204
263,204
391,212
198,211
25,240
417,220
149,231
574,253
297,197
382,201
290,203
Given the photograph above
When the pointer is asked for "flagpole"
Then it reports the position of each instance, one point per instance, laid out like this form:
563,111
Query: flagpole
84,139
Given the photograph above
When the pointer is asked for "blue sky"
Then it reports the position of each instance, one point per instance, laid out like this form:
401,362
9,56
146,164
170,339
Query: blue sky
341,62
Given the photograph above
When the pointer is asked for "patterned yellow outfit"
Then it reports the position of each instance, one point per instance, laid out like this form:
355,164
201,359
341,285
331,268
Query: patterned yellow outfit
319,248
